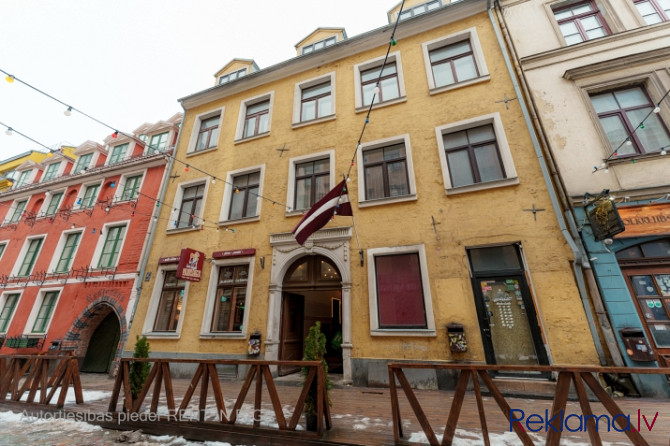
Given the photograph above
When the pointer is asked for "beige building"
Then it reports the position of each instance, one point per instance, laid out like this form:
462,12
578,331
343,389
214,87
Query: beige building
455,217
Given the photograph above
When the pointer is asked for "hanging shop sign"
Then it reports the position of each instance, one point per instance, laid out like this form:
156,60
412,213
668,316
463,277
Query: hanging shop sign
605,220
168,260
233,253
647,219
190,265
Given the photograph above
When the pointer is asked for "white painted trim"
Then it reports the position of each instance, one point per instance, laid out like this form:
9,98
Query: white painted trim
205,329
27,329
239,132
290,193
228,192
121,185
195,129
297,98
176,204
362,202
6,244
425,282
470,35
128,155
102,236
3,300
61,244
503,147
152,310
377,62
24,250
82,192
47,201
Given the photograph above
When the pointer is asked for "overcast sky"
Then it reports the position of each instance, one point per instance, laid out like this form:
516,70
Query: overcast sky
126,62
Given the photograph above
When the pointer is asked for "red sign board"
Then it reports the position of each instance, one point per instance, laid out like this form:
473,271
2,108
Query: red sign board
190,265
234,253
167,260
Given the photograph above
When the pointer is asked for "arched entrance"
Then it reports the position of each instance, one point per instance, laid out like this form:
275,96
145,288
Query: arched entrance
311,292
102,345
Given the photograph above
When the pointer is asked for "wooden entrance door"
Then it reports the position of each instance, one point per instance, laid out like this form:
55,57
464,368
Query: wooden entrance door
292,317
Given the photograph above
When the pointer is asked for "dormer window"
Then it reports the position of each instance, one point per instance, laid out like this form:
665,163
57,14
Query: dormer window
23,179
422,8
319,45
51,171
232,76
83,162
158,143
118,154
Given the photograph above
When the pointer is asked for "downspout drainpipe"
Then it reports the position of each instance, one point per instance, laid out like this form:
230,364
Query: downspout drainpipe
153,224
579,256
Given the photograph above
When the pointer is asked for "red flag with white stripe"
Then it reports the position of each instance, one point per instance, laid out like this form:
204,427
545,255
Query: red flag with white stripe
334,202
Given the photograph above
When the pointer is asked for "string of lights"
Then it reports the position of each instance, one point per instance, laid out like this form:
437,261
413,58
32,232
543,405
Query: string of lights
628,141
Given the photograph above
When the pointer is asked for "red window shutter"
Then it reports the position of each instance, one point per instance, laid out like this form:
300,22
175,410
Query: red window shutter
399,291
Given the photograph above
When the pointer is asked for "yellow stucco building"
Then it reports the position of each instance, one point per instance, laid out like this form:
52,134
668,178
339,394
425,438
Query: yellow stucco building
455,219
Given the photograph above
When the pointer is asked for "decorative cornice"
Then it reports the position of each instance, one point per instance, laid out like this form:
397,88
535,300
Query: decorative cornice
619,63
318,238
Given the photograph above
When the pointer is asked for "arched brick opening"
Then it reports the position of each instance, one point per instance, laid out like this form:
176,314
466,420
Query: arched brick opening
79,336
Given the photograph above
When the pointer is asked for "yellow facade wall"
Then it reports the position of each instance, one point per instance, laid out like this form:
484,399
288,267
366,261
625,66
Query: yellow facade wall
480,218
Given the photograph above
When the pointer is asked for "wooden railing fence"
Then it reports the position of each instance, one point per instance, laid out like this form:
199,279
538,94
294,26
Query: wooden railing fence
579,375
30,373
207,377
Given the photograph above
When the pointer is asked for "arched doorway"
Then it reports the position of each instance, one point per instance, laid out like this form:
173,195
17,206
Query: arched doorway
102,345
311,292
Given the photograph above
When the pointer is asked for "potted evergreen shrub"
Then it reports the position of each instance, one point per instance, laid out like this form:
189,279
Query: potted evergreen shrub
315,349
139,371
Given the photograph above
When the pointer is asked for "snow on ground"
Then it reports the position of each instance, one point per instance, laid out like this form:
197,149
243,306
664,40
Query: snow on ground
464,437
89,395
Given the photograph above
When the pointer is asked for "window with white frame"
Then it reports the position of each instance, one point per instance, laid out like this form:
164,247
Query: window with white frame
653,11
90,196
17,210
52,203
206,131
314,99
157,143
399,291
118,153
385,171
130,187
43,311
66,250
627,117
29,256
321,44
50,171
241,194
3,246
475,154
389,79
83,163
255,117
170,303
190,208
580,22
310,178
225,78
420,9
454,61
111,247
23,178
8,302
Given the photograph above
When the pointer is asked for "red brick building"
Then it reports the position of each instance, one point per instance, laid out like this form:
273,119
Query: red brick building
73,233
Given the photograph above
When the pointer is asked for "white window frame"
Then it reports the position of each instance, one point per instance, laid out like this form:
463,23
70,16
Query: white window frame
372,292
362,202
121,184
297,99
24,250
59,170
152,310
377,62
511,177
127,156
92,162
469,35
102,236
228,76
27,329
61,244
4,243
205,329
195,130
176,205
82,193
148,147
30,178
228,191
3,300
241,119
12,210
47,202
293,162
